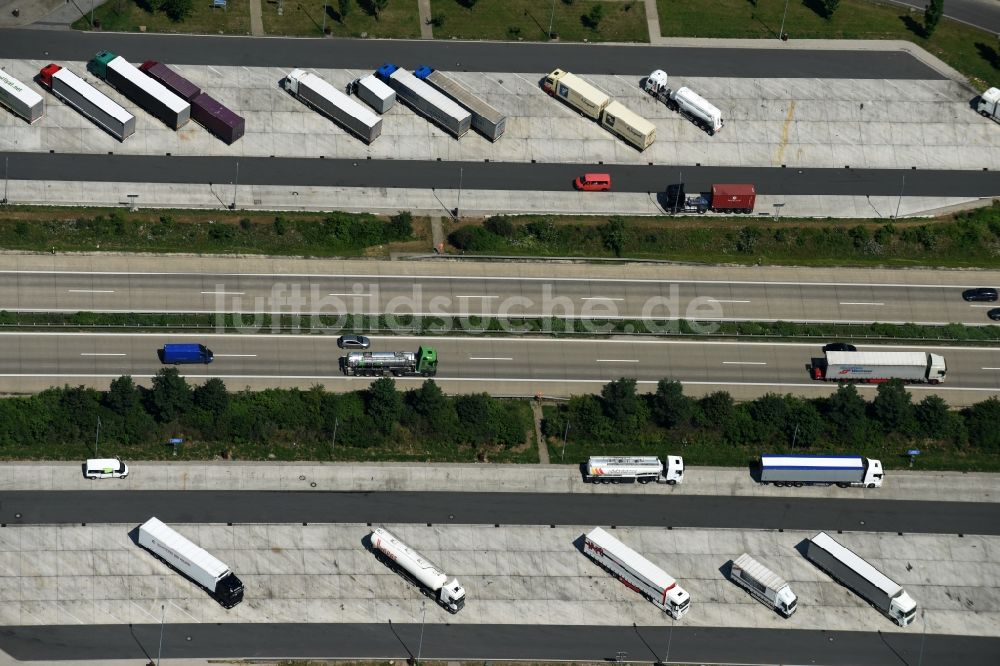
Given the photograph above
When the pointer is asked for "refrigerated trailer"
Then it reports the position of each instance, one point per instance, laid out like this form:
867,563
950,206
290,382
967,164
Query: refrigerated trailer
880,366
485,119
431,579
641,469
628,125
637,573
576,93
89,101
374,93
426,100
848,569
371,364
811,470
20,99
763,585
192,561
146,92
317,93
207,111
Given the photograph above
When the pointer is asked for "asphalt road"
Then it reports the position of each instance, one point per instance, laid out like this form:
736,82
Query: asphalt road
369,54
635,509
491,175
304,360
487,642
487,293
983,14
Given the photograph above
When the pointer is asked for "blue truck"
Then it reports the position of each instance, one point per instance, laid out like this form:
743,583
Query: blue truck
177,353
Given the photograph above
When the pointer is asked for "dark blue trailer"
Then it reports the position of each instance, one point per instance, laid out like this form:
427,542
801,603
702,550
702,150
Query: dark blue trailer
176,353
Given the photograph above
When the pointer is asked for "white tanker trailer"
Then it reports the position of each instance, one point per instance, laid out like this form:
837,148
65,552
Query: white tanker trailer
431,579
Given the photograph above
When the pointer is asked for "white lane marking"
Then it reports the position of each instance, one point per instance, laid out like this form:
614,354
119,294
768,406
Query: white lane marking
991,368
862,303
361,294
235,355
744,363
184,611
91,291
992,305
717,300
600,298
617,360
100,354
475,296
223,293
491,358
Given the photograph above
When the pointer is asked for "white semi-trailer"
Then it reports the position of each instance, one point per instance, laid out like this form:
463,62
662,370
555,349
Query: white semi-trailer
89,101
685,101
192,561
144,90
763,584
426,100
629,469
637,573
431,579
317,93
869,583
485,119
880,366
812,470
20,99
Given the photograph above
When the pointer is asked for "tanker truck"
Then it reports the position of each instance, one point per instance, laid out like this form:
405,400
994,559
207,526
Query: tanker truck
629,469
431,580
423,362
880,366
685,101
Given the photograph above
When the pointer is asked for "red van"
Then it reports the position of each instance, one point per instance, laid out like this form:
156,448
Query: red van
593,182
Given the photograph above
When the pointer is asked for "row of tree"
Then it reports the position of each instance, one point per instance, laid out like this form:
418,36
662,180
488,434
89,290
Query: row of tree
621,415
289,423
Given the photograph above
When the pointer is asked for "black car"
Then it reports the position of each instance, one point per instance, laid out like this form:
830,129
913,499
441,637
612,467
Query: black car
988,294
994,314
353,342
839,346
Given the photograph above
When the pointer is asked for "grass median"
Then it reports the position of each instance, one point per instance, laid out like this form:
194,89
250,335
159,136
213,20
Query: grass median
132,16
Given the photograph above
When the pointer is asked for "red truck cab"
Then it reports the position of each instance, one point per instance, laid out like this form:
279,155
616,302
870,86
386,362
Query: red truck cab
45,76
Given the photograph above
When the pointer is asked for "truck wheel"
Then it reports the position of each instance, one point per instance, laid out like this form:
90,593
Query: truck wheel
842,485
672,482
871,485
984,114
779,484
798,484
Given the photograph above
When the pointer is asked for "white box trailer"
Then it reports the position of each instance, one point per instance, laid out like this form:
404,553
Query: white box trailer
880,366
317,93
641,469
989,104
192,561
485,119
810,470
20,99
431,579
576,92
145,91
763,585
637,573
630,126
848,569
426,100
374,93
89,101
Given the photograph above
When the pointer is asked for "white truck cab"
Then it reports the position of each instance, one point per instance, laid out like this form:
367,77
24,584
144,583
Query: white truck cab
673,469
873,473
989,104
903,609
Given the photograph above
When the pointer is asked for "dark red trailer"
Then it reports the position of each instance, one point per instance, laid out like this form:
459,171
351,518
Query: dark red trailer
216,118
728,198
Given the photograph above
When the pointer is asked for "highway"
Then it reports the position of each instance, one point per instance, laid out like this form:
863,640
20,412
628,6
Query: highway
856,512
445,642
302,172
489,291
483,56
304,360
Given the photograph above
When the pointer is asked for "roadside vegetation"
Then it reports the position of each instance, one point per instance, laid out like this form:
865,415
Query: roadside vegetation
216,232
378,423
715,430
973,52
966,239
179,16
397,19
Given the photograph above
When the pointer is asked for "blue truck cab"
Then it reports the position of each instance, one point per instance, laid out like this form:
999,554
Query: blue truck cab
174,354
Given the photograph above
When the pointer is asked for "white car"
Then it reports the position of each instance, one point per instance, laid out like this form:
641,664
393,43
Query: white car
105,468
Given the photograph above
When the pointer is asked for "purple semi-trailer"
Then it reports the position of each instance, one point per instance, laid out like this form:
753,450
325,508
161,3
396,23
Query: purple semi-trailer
207,111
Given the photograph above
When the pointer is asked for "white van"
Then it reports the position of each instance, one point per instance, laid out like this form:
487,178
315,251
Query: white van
105,468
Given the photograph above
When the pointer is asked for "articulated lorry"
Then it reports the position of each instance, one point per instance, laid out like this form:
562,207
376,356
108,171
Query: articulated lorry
145,91
596,105
630,469
485,119
426,100
349,114
191,561
431,579
821,470
20,99
637,573
207,111
423,362
685,101
873,367
726,198
88,100
845,567
763,585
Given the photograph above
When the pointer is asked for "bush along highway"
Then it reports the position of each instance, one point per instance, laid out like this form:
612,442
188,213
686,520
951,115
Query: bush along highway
384,423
